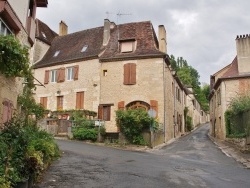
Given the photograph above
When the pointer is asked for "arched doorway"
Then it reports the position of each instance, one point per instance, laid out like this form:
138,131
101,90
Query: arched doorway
138,105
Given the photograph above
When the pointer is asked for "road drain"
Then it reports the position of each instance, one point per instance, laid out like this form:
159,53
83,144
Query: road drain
184,169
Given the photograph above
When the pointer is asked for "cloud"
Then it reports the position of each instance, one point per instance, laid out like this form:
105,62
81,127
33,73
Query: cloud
201,31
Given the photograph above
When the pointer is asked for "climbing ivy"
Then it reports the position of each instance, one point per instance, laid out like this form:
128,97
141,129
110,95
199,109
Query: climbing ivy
14,58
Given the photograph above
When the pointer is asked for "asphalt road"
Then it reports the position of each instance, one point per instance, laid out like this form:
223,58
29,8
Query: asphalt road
191,161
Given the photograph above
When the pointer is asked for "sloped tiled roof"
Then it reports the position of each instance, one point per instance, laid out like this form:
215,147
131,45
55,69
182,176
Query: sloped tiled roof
142,32
70,45
44,33
232,69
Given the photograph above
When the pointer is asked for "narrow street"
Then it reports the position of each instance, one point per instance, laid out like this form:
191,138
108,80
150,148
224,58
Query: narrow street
191,161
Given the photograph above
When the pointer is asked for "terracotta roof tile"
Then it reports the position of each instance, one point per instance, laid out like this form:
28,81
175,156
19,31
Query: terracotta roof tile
70,45
232,70
44,33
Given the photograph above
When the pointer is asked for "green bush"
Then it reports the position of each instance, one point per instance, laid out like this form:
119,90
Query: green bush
189,123
24,151
82,133
132,123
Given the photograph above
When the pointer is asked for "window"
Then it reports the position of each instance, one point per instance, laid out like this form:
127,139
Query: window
80,100
44,36
43,102
4,30
127,46
105,72
84,48
129,74
70,73
56,53
53,74
7,110
219,97
104,112
60,103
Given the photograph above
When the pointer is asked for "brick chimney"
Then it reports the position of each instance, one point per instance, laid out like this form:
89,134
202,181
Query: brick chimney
162,37
106,32
243,53
63,28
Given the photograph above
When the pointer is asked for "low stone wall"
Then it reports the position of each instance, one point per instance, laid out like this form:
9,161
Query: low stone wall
241,143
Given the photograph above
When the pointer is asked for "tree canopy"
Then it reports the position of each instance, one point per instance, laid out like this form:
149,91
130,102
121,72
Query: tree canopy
190,76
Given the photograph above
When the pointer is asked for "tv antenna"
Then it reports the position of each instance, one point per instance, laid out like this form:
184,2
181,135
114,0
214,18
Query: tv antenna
119,15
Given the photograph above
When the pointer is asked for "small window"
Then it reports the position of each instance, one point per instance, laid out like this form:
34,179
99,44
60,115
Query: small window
44,35
70,73
56,53
53,75
84,48
105,72
127,46
4,30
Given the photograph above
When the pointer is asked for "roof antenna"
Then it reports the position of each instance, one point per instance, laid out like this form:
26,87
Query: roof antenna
119,14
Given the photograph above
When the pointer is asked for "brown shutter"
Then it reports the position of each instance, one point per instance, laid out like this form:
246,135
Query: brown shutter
79,100
46,77
43,101
121,105
5,111
109,111
154,106
132,73
126,74
61,75
100,112
76,70
58,74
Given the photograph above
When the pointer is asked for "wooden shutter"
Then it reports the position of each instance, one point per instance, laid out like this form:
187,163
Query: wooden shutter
121,105
154,106
46,77
79,100
76,71
5,111
61,75
126,74
43,101
60,103
132,73
100,112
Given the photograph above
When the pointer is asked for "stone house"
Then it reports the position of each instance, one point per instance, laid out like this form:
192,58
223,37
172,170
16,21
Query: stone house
16,18
108,68
231,81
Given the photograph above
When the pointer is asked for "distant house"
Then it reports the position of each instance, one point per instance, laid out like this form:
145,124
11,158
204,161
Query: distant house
229,82
112,67
17,18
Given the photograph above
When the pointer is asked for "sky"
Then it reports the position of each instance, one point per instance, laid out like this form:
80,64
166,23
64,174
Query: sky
203,32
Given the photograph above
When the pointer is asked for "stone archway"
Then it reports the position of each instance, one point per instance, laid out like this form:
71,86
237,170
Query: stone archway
138,105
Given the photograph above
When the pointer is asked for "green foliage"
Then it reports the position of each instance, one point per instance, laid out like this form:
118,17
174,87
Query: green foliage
14,61
24,150
4,183
190,76
85,134
189,123
132,123
237,117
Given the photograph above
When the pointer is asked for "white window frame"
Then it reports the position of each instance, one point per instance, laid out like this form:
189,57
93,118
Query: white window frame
53,76
4,29
70,73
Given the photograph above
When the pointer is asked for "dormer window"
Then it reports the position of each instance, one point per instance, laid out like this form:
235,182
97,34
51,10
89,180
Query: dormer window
56,53
127,46
44,36
84,48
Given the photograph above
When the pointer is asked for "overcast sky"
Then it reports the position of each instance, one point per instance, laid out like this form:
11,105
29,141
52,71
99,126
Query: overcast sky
201,31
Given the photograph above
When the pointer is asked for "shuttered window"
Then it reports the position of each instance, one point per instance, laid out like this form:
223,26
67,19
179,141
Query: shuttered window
53,76
80,100
76,70
60,103
46,77
7,110
129,74
104,112
121,105
43,102
61,75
